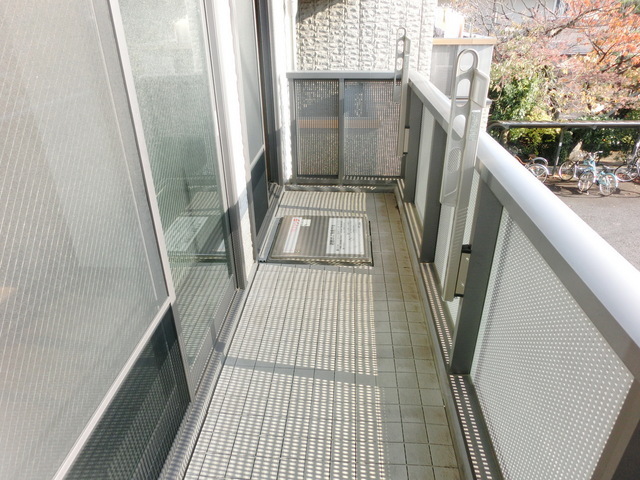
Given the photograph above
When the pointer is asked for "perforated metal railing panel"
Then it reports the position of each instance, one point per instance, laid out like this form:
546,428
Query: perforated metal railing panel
316,113
549,385
371,129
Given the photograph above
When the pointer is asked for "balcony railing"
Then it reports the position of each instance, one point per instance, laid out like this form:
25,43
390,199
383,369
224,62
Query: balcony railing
545,340
541,350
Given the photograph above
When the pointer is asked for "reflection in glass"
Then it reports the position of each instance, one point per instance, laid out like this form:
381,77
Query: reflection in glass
168,58
80,275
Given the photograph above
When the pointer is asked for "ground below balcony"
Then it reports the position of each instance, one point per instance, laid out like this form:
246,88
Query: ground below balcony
614,218
330,374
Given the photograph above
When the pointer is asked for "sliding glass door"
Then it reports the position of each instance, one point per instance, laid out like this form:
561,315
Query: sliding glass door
168,52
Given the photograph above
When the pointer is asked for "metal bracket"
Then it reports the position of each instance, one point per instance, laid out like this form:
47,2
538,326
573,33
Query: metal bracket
400,85
463,269
406,140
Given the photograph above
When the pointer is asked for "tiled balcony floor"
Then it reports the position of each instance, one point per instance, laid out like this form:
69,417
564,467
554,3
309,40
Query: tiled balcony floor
330,374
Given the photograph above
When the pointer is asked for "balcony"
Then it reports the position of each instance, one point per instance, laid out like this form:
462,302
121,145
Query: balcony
493,336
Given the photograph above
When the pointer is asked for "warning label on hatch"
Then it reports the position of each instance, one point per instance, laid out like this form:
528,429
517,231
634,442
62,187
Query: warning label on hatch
345,236
292,235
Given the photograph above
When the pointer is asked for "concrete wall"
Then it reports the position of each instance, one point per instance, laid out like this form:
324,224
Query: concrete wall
361,34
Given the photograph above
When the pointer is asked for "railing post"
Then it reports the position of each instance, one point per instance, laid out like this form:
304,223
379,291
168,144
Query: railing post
434,183
483,244
412,156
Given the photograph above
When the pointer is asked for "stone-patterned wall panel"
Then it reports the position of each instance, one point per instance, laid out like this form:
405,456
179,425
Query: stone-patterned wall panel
360,34
337,36
305,42
423,50
413,24
352,45
384,19
367,32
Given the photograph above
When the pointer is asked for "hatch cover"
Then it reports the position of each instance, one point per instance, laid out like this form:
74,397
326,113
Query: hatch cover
322,239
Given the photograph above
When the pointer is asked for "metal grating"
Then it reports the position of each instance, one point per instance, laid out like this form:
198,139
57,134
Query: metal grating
549,385
317,133
371,129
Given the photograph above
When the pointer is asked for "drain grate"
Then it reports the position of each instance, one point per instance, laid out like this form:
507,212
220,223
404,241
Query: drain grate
322,239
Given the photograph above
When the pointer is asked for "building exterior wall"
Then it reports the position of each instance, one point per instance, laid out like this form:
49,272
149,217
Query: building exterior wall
361,34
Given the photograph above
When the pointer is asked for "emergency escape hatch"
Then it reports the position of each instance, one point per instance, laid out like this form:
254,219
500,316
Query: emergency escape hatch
322,239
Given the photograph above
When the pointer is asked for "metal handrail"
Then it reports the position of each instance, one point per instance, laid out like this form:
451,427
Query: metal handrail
593,124
600,279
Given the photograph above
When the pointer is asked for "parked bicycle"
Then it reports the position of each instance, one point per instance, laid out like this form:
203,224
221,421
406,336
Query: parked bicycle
538,166
629,171
606,181
574,168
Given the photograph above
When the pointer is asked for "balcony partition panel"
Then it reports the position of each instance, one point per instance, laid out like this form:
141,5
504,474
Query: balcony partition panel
370,129
317,107
544,341
345,127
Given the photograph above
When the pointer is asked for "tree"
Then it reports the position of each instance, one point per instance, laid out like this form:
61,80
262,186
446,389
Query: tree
577,60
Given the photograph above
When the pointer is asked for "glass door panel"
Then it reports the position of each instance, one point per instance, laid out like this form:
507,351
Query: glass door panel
245,27
168,54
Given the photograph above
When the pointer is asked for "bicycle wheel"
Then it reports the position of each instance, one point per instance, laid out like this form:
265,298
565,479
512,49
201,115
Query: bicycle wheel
607,183
539,171
626,173
567,170
586,180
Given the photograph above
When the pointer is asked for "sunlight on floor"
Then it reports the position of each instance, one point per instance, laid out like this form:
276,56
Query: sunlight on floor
330,374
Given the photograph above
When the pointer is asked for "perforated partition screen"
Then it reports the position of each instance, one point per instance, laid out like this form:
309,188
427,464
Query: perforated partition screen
371,129
363,134
316,111
549,385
